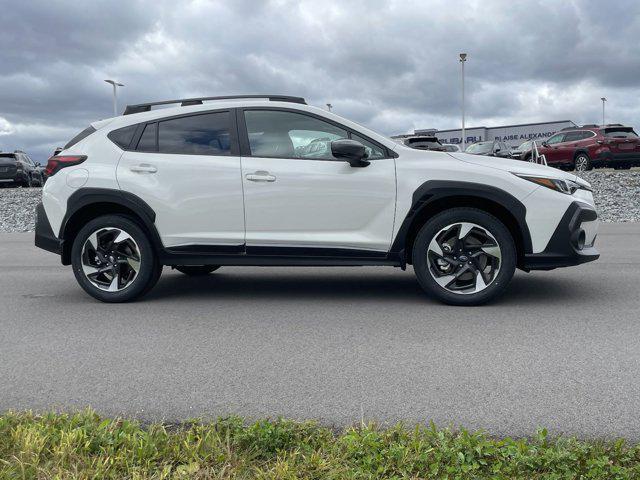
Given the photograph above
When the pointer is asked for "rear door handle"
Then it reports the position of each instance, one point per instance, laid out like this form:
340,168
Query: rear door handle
260,176
143,168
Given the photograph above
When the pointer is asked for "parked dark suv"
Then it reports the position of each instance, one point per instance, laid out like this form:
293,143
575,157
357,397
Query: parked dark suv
592,146
490,148
18,169
425,142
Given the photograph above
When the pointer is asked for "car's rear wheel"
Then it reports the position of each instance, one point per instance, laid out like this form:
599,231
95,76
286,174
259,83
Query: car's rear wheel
113,259
464,256
197,270
582,163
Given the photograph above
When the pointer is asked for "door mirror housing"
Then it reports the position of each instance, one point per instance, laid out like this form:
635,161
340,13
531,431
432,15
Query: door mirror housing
351,151
544,144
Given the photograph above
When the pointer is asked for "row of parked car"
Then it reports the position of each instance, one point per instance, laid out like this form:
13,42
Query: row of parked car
573,148
18,169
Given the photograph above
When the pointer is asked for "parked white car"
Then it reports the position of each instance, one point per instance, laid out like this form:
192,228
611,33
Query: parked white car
269,180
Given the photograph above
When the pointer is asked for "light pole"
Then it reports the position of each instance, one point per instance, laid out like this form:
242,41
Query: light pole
115,95
603,100
329,106
463,58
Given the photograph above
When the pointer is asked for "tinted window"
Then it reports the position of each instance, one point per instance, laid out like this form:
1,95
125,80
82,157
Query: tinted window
280,134
147,142
620,133
82,135
374,152
206,134
122,136
480,148
573,136
556,138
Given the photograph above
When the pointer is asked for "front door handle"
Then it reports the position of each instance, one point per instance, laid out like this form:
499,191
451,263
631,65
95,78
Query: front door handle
143,168
260,176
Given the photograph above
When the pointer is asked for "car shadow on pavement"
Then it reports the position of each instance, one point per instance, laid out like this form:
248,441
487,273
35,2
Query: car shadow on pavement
367,286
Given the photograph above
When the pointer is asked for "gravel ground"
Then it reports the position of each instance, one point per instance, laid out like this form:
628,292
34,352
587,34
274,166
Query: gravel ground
617,195
18,208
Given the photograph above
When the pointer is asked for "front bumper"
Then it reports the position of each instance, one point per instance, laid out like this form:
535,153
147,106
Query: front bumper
45,238
567,247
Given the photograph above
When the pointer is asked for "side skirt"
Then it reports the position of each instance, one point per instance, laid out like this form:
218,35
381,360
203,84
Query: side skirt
276,256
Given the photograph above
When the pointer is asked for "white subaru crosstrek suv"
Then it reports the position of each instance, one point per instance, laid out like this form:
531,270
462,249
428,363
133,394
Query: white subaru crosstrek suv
269,180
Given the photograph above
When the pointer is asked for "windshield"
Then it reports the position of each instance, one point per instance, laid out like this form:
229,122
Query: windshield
480,148
620,133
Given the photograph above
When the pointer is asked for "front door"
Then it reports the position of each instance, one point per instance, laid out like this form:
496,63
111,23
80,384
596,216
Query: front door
299,199
187,169
552,150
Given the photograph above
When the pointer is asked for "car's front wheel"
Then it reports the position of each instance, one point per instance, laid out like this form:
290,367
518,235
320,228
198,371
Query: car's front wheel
464,256
113,259
582,163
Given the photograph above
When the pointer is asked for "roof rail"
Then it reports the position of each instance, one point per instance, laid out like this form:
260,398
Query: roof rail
184,102
590,125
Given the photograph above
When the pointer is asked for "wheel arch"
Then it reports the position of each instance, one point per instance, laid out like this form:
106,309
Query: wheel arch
579,151
88,203
434,197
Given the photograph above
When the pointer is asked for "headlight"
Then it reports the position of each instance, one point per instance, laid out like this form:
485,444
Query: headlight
559,185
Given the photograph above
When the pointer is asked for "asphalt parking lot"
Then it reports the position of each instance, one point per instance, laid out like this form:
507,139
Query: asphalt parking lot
560,350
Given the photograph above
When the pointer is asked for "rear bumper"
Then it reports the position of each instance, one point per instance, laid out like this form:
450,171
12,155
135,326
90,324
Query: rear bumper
611,159
45,238
565,248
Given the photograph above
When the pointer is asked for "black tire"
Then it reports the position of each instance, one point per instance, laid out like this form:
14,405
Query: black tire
149,269
526,157
483,219
197,270
27,182
582,162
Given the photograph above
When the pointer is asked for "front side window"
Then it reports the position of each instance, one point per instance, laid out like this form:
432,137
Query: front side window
206,134
556,139
279,134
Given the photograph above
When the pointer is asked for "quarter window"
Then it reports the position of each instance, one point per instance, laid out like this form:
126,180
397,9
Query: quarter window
147,142
123,136
279,134
206,134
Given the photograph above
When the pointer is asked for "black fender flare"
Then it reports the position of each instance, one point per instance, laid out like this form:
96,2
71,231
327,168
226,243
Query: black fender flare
437,190
85,197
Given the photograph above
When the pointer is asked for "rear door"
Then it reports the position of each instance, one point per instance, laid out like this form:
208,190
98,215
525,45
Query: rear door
300,200
187,168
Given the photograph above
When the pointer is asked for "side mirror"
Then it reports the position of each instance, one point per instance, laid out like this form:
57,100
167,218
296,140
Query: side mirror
544,144
497,149
350,151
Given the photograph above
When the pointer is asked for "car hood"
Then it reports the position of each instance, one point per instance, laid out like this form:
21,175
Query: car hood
518,166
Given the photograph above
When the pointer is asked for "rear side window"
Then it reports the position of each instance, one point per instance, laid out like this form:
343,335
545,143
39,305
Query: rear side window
82,135
573,136
147,142
122,136
206,134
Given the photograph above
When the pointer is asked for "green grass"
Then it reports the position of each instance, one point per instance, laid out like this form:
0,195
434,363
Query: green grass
84,445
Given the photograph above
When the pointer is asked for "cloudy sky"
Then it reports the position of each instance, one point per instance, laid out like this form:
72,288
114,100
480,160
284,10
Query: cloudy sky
391,65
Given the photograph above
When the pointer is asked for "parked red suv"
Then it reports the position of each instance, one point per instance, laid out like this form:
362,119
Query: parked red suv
592,146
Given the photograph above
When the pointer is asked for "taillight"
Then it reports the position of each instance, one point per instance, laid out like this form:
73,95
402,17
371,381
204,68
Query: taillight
58,162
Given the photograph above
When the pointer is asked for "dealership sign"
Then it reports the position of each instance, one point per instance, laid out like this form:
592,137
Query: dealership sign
512,135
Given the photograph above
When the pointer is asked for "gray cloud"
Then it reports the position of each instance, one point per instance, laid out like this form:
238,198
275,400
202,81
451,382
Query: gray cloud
391,65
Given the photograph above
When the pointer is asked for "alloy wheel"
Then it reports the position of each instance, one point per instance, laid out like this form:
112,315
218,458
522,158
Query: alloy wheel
110,259
464,258
581,163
